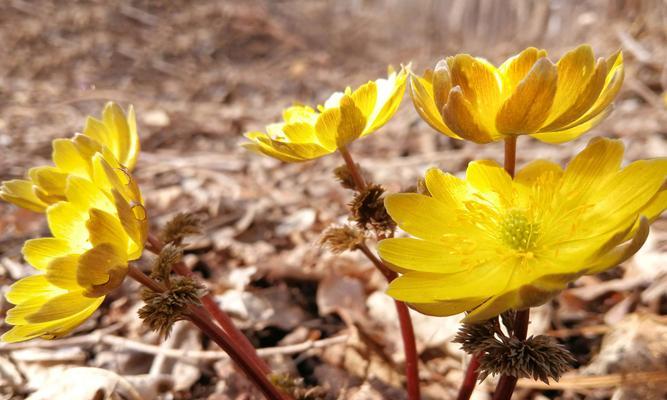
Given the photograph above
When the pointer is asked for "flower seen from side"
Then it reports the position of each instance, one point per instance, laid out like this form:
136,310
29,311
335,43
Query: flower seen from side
98,222
306,133
466,97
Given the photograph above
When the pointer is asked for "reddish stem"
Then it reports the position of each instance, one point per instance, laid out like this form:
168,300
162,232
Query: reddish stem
358,178
220,316
410,348
407,330
201,320
470,380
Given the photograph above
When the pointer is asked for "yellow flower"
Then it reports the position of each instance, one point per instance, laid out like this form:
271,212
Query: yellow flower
469,98
491,243
115,135
306,134
97,229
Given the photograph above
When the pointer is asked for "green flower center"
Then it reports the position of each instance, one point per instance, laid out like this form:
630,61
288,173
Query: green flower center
518,232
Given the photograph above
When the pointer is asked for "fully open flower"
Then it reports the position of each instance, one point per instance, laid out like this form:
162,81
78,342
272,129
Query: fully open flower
468,98
115,135
98,226
491,243
306,134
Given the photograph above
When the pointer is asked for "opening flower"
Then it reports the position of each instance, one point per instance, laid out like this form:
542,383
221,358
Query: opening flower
306,134
491,243
99,224
468,98
115,135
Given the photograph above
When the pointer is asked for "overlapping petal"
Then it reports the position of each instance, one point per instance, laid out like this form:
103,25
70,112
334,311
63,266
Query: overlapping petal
306,134
466,97
490,243
95,212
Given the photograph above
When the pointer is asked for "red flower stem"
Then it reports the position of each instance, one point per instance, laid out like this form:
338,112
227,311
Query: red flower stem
203,322
470,380
358,178
510,155
507,383
404,319
220,316
407,330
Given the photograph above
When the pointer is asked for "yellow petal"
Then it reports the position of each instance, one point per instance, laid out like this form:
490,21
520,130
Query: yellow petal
425,287
390,94
135,146
486,175
419,215
62,272
656,206
580,82
52,329
463,119
442,84
68,222
446,308
446,187
84,194
299,114
515,69
30,287
421,93
49,179
116,123
537,171
340,125
480,85
518,299
67,158
95,129
300,132
104,227
290,152
101,269
592,167
613,83
420,255
628,192
40,252
37,311
20,193
602,262
574,132
261,148
133,219
528,107
365,97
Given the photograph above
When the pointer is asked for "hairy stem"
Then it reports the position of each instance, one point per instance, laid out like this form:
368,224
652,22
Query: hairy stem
220,316
204,323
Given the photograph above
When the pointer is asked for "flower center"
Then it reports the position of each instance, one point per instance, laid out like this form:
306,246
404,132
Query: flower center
518,232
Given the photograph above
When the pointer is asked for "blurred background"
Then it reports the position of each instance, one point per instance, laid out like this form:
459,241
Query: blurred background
202,73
